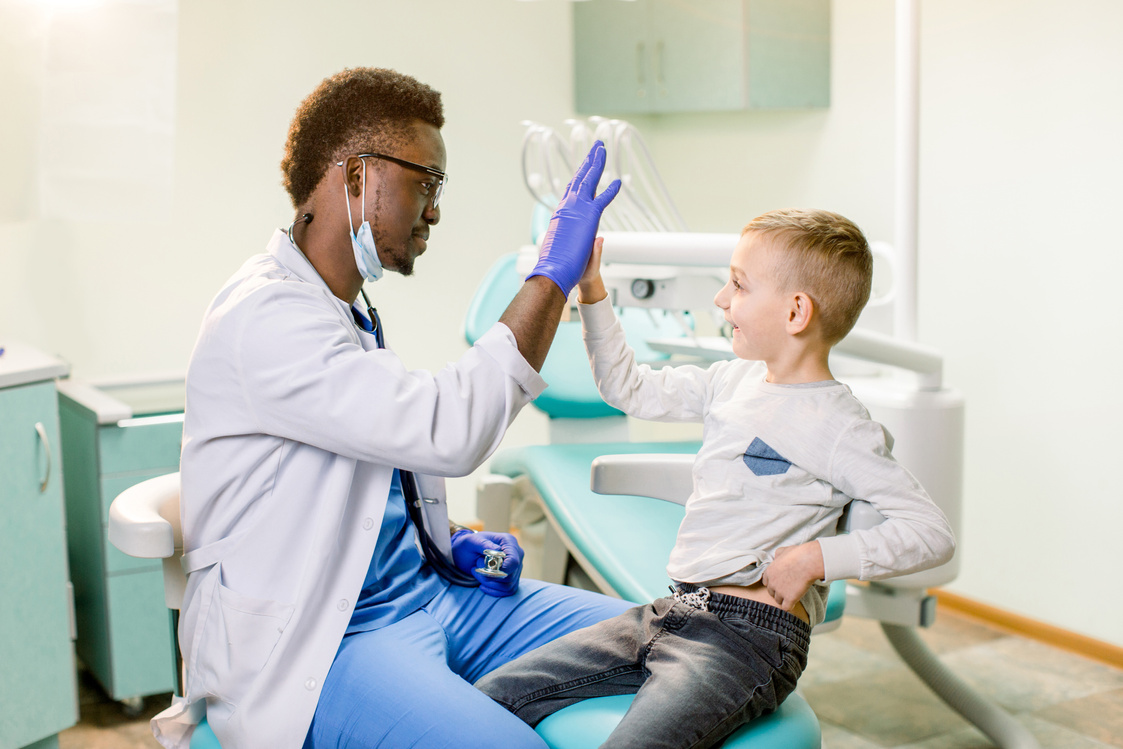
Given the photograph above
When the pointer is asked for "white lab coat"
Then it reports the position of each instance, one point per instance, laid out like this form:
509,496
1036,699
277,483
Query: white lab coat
294,423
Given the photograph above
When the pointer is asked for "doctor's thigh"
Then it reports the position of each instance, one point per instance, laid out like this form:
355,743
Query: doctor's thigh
410,683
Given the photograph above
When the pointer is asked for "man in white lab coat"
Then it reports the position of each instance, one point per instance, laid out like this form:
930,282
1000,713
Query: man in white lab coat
328,599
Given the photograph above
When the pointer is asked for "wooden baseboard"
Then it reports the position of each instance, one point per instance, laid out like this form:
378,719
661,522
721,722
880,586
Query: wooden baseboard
1035,630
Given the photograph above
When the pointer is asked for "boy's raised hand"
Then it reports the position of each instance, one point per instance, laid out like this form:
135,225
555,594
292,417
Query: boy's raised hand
564,253
793,570
590,288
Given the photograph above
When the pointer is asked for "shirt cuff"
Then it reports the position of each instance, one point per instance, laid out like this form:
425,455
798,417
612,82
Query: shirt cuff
597,317
499,343
842,558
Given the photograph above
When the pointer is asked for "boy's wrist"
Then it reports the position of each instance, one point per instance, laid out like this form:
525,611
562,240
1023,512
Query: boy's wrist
591,292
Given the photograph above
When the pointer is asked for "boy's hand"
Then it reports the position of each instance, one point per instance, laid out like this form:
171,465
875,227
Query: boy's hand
793,570
569,237
590,289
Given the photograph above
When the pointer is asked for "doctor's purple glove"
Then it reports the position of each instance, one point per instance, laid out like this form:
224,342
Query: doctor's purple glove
569,238
468,554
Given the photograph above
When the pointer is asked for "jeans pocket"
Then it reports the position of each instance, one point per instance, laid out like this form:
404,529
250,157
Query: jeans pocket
764,643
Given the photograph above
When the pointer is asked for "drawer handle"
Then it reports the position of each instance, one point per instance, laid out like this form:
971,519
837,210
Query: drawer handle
46,446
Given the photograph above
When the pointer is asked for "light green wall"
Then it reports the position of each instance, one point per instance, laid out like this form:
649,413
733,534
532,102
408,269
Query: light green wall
1018,250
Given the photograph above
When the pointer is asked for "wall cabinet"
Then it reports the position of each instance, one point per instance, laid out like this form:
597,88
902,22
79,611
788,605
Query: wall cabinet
117,436
38,688
651,56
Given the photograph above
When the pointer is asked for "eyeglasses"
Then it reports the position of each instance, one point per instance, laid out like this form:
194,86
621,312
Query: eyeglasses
433,192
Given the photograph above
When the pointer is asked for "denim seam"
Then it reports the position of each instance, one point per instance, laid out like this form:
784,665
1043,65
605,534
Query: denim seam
663,630
557,689
756,690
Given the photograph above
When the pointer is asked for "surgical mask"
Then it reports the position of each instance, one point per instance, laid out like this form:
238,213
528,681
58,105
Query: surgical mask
366,254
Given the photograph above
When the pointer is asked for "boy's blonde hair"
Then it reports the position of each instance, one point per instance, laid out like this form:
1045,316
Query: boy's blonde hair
826,256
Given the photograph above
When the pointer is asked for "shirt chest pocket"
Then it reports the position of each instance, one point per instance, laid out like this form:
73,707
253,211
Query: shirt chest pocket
762,460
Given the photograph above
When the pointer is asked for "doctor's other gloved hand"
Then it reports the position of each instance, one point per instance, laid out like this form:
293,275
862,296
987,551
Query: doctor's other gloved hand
468,554
569,237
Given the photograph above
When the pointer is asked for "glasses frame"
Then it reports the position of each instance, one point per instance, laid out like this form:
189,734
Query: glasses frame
442,178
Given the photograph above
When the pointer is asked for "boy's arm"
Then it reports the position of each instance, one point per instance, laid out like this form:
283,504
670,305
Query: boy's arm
915,536
669,394
590,287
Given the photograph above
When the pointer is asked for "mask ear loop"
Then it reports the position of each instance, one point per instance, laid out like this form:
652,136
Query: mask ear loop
363,206
363,197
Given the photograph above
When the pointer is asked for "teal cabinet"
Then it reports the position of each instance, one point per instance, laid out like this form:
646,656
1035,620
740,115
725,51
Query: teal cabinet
652,56
38,688
117,436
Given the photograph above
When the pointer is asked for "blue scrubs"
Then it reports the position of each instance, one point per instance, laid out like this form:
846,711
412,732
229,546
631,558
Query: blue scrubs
403,674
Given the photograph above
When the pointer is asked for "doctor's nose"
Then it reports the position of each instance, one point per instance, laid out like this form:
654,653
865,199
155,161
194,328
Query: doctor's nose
432,214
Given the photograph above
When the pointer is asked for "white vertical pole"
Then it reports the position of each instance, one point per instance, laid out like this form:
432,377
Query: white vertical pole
907,167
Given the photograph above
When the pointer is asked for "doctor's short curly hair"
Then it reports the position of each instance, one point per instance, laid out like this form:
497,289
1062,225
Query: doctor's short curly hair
355,110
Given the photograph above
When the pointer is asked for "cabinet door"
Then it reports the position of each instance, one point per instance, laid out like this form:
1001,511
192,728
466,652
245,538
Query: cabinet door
698,55
612,57
37,677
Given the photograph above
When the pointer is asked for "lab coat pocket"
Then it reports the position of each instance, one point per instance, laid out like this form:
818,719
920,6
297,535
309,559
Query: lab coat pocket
250,629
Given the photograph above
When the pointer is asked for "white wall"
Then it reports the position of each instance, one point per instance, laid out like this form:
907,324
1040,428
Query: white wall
1021,110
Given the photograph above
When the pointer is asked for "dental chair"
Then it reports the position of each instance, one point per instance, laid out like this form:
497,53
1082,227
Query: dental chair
144,522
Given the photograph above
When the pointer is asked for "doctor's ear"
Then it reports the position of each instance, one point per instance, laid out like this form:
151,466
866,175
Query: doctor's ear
801,310
353,168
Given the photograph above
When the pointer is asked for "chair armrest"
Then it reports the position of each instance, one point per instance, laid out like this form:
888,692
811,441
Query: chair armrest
661,476
858,516
144,519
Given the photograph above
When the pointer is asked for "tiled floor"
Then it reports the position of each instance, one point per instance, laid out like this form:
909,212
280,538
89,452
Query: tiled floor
864,696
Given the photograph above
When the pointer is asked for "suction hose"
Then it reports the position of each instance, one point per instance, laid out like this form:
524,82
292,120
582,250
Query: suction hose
989,718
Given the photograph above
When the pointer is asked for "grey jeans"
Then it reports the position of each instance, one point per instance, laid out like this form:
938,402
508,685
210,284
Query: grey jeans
697,673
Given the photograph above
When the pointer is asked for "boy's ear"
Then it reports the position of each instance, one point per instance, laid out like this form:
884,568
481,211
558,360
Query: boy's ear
800,312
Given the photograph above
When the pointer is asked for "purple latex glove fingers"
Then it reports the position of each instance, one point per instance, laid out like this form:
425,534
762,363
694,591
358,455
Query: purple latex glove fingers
569,237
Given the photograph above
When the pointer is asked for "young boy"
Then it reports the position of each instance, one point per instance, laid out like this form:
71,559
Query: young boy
785,447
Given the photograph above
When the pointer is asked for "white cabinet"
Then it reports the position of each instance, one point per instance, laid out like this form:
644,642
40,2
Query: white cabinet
651,56
38,689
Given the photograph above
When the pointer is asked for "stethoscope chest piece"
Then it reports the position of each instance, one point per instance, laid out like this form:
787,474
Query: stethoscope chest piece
494,561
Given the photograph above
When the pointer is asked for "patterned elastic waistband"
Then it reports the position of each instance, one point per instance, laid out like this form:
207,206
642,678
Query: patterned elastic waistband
761,614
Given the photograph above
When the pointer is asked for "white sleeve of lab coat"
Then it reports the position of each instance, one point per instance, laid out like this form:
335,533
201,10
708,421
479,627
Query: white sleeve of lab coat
305,376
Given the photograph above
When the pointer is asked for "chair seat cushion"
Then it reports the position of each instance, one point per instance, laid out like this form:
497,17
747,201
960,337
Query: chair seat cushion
588,724
203,737
626,539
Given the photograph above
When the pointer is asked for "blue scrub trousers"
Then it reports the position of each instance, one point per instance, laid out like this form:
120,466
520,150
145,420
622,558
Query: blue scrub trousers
409,684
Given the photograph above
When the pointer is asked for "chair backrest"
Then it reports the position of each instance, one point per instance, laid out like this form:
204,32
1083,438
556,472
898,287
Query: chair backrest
144,522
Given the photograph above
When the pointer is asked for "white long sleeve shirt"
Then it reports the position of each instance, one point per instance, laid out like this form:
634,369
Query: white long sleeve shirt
777,466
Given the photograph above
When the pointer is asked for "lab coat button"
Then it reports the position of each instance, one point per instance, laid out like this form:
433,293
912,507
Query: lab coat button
368,524
310,684
342,605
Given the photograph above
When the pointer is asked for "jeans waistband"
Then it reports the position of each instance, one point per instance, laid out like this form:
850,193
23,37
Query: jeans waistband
759,613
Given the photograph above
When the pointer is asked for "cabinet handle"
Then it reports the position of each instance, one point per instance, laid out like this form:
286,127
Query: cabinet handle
641,64
46,446
659,63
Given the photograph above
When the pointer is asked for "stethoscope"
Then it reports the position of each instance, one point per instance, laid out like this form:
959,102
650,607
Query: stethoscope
411,491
